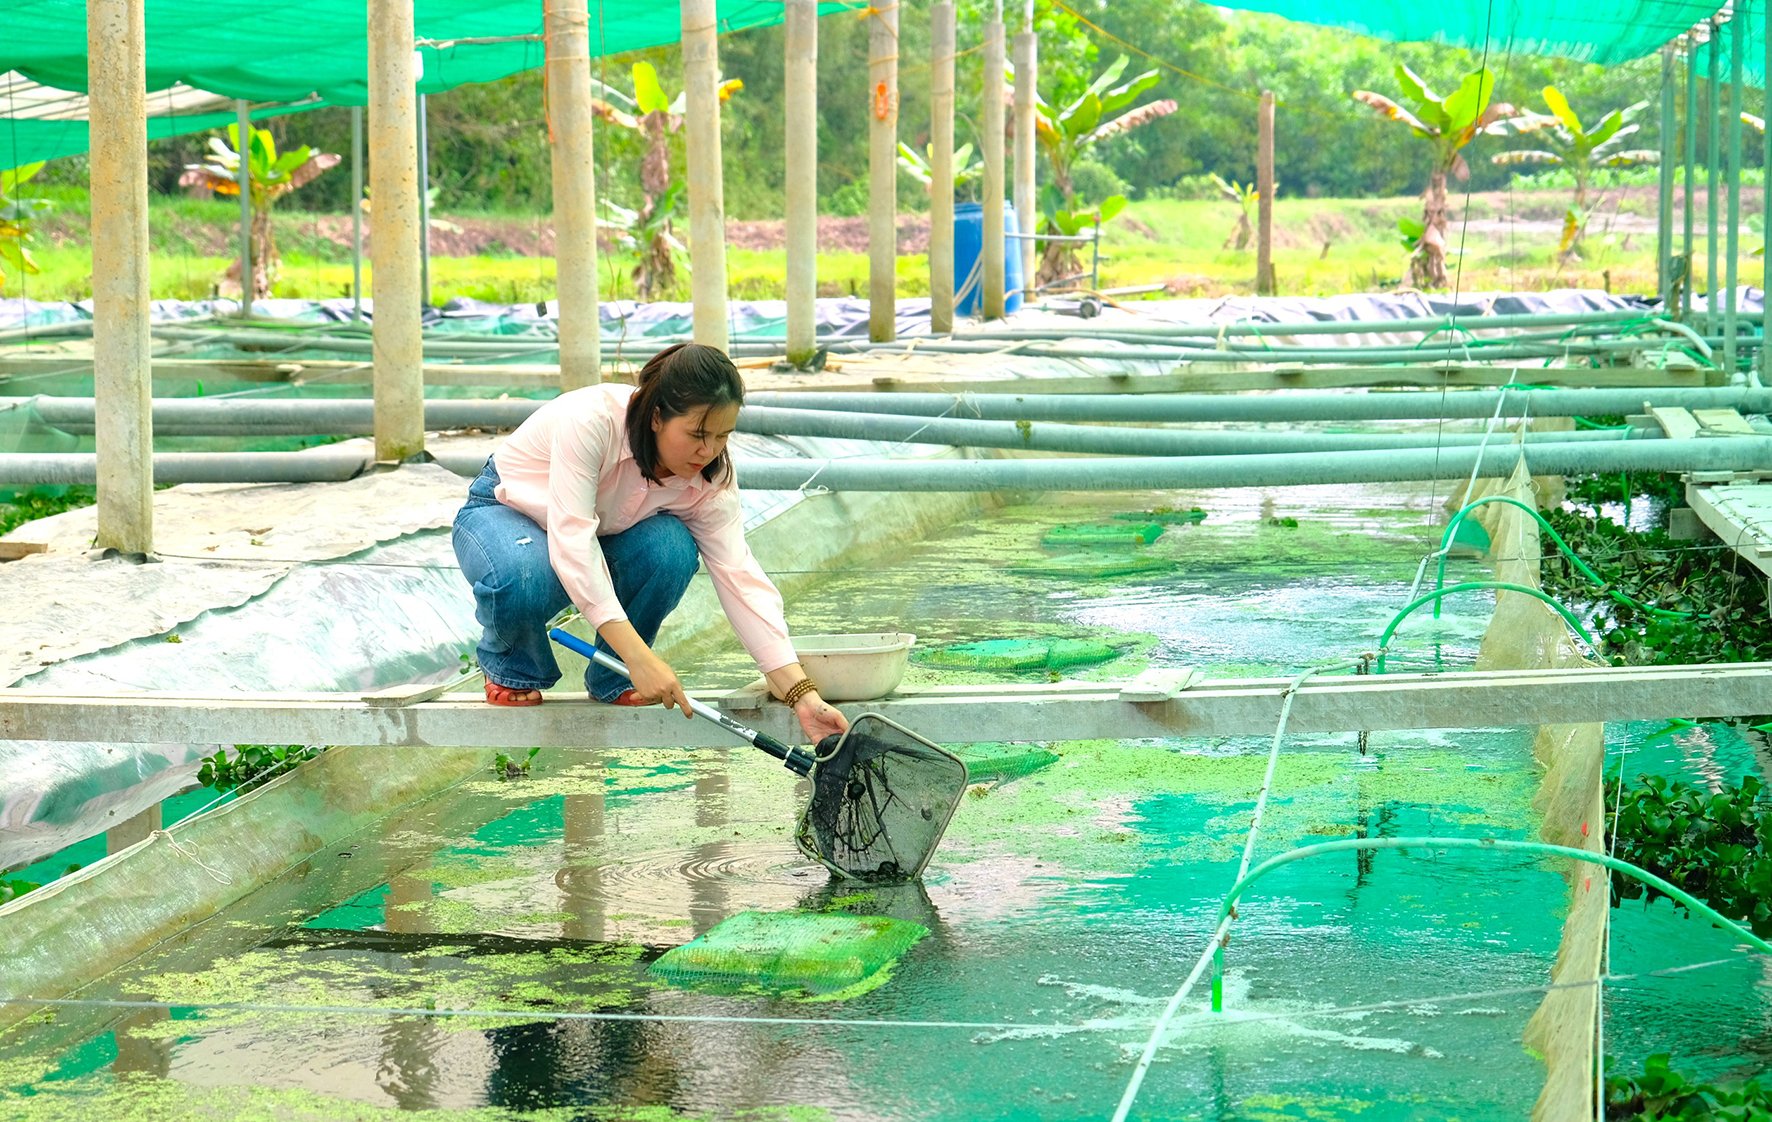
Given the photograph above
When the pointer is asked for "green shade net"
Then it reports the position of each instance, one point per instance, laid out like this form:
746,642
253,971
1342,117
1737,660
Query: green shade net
317,49
1607,32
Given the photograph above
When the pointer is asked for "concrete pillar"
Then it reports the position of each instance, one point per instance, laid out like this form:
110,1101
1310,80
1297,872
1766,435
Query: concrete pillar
1690,184
424,205
883,172
1713,161
1732,177
992,116
394,250
575,192
941,166
243,178
801,91
1264,206
136,829
116,45
707,205
1027,63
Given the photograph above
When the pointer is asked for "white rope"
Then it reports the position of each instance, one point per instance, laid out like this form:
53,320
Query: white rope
190,852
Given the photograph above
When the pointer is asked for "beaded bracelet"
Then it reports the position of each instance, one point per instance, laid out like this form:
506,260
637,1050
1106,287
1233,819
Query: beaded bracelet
798,690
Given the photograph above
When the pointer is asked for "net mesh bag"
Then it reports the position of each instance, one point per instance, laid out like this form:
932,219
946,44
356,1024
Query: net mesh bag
881,799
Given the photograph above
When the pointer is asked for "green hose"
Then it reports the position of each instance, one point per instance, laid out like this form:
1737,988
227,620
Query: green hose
1471,586
1581,566
1698,907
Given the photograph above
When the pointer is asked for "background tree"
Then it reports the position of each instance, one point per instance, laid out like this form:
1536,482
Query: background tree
269,176
650,228
16,216
1448,123
1568,145
1101,112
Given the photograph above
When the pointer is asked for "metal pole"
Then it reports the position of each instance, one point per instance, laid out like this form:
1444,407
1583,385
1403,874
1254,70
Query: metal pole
116,45
1689,182
991,236
356,214
1664,219
1027,64
1264,205
243,180
1737,34
883,171
571,139
1765,366
398,330
941,167
424,207
801,91
707,193
1713,160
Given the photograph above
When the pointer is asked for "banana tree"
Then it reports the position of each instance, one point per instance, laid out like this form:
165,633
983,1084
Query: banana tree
654,115
1065,135
1583,151
16,217
269,175
968,169
1245,195
1449,124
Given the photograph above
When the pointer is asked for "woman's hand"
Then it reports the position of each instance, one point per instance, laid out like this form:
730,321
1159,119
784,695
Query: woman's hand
819,717
654,680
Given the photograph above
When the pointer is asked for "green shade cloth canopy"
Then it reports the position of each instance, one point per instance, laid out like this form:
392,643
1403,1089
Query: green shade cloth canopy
1600,31
315,52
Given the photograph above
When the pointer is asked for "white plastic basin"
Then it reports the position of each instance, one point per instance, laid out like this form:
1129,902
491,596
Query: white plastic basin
855,667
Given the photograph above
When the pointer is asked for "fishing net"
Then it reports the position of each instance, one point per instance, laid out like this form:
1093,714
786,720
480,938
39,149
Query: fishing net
881,799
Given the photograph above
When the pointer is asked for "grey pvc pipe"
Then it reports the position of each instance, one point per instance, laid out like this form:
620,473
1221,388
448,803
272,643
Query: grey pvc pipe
212,417
1292,406
1293,469
1494,351
1415,324
1135,473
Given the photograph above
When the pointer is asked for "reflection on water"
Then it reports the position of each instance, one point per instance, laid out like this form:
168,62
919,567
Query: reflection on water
1064,907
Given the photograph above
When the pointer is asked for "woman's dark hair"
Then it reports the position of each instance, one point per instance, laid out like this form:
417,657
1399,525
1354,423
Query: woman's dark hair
678,380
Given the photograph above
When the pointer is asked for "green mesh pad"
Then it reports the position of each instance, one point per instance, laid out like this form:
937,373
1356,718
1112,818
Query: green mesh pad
1092,565
1018,654
1163,516
1471,535
1110,533
783,953
1002,762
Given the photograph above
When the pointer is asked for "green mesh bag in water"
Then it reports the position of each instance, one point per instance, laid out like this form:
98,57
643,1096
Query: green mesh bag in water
1092,566
809,953
1000,763
1108,533
1019,654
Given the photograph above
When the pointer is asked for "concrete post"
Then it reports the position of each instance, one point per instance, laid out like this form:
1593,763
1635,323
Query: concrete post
243,179
1027,61
707,197
394,250
1264,206
116,45
1689,185
992,116
575,194
800,87
1712,159
941,167
883,172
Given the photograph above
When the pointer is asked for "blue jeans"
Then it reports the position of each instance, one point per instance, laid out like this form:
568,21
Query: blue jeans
504,555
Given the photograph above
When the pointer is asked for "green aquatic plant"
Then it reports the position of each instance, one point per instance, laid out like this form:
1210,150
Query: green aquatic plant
507,766
253,765
1715,845
1662,1094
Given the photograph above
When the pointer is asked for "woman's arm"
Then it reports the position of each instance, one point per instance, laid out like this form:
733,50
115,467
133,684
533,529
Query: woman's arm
817,716
653,678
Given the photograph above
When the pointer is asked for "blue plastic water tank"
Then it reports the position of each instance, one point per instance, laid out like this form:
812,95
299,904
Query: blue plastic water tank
969,259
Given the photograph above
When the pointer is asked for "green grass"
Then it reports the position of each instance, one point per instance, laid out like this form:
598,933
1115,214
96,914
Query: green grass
1322,246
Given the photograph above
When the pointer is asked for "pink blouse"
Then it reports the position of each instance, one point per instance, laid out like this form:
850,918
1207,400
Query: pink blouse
569,468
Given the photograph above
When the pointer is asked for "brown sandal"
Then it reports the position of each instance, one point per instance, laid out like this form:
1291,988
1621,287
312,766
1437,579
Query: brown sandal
509,695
